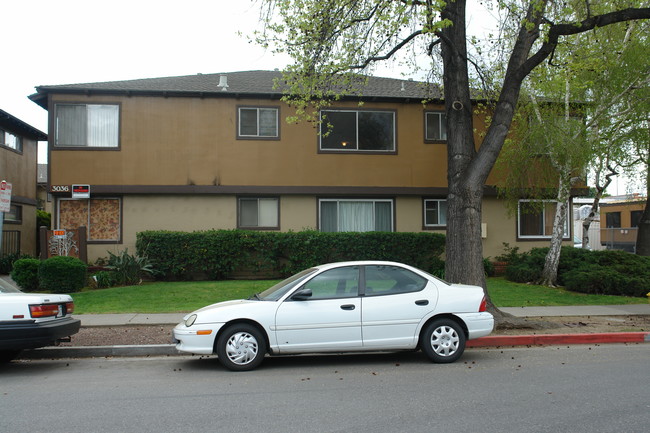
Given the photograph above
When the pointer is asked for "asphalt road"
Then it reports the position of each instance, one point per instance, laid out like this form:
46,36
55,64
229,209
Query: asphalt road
547,389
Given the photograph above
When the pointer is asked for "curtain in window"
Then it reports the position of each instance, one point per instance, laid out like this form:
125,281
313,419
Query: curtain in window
71,125
268,212
102,125
383,217
328,216
248,212
248,121
268,122
356,216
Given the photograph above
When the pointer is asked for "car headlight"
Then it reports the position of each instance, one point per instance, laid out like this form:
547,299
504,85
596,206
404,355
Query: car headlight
190,320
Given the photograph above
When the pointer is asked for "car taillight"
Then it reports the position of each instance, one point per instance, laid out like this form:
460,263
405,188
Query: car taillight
483,306
69,307
46,310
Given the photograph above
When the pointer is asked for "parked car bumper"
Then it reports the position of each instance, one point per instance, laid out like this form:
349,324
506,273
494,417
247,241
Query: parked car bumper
195,339
25,335
478,324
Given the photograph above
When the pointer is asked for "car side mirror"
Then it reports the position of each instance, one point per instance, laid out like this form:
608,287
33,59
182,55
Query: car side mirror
302,295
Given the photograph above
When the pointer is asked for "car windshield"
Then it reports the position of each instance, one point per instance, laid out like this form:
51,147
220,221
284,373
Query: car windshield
277,291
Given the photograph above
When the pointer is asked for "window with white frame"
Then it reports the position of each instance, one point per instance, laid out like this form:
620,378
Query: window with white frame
350,215
259,212
435,213
535,219
14,142
357,131
87,125
435,126
258,122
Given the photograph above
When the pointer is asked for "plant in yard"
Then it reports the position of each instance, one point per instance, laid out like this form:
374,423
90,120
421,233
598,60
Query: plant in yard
62,274
25,274
128,269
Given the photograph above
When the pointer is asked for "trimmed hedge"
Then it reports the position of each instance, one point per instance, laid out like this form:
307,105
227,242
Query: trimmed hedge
606,272
25,274
62,274
218,254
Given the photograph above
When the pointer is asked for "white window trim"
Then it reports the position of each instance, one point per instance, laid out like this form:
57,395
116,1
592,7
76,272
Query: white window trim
357,150
257,109
566,233
424,212
373,201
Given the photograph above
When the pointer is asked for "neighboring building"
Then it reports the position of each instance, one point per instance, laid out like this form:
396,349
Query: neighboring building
621,218
213,151
18,153
43,195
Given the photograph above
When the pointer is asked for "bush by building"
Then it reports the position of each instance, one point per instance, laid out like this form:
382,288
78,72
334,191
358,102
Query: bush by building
62,274
218,254
25,274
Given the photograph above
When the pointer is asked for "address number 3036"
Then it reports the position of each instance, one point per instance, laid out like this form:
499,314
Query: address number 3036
60,188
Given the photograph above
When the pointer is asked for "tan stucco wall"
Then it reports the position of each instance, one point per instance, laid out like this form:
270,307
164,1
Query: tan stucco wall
191,213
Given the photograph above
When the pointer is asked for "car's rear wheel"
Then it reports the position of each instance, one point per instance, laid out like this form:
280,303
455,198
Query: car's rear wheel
443,341
8,355
241,347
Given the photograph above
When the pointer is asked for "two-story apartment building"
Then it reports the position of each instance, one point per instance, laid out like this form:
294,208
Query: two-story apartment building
18,154
213,151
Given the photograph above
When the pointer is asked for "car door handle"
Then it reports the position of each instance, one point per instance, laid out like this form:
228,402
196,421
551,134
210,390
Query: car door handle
422,302
348,307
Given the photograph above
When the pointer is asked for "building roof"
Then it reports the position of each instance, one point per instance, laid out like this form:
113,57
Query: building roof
241,84
18,127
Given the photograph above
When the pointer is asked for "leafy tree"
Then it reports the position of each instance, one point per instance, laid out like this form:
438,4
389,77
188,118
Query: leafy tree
330,41
602,69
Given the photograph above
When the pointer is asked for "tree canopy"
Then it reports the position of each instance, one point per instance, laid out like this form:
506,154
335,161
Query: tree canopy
331,41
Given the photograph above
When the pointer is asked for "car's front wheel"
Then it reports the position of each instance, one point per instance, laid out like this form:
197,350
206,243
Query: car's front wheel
443,341
240,347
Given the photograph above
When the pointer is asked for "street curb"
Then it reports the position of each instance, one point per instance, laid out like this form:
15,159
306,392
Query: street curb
490,341
100,351
554,339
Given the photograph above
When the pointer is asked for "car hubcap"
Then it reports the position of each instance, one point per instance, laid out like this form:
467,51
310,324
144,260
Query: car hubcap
444,341
241,348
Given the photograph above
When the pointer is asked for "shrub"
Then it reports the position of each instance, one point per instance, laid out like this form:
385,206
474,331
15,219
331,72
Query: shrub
25,274
128,269
62,274
105,279
217,254
488,267
7,262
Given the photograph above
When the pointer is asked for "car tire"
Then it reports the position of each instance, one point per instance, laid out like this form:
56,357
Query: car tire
240,347
443,341
8,355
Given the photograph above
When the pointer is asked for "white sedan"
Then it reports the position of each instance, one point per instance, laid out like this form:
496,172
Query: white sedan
341,307
31,320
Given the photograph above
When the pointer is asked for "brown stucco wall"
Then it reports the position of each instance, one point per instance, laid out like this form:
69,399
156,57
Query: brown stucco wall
19,169
192,141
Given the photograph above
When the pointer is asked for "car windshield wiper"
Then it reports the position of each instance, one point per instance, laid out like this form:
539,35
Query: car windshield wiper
255,296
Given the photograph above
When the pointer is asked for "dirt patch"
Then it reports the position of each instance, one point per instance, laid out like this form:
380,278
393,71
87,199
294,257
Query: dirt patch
160,334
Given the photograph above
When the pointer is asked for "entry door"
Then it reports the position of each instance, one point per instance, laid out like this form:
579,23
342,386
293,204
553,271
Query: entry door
328,320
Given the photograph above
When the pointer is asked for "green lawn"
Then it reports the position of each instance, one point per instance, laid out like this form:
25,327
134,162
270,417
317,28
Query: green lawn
188,296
